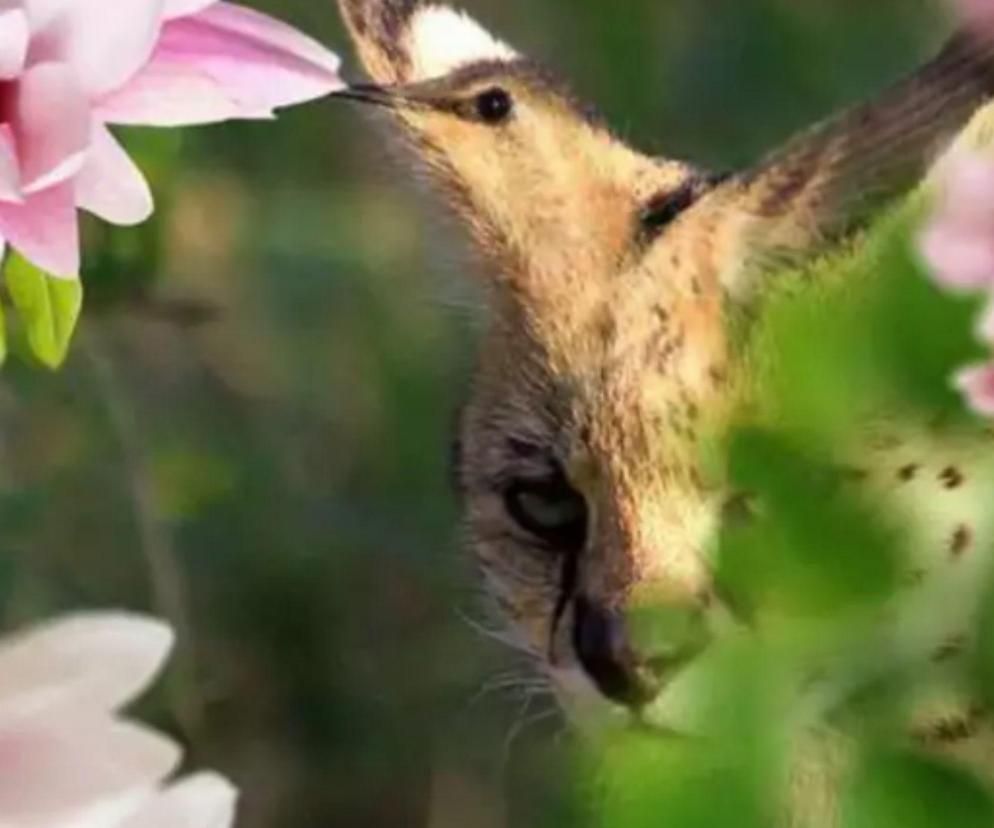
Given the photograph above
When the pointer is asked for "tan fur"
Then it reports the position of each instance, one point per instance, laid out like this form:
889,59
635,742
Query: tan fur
609,355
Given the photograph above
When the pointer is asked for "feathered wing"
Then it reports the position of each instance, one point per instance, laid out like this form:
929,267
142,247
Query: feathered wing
825,181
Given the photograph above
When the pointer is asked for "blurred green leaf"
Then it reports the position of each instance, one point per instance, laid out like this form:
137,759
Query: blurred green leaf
48,307
913,791
984,655
862,331
812,546
727,772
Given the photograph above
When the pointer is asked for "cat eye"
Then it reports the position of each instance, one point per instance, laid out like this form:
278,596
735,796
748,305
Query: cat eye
494,106
550,509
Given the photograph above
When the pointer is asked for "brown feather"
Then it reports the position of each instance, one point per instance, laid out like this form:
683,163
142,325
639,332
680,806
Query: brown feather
824,182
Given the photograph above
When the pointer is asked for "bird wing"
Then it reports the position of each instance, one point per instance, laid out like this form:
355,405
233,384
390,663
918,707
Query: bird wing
822,183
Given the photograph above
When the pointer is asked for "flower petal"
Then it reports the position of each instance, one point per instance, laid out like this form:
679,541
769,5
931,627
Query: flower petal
95,662
106,41
165,94
977,12
110,185
260,62
51,125
42,13
56,769
14,37
977,383
202,801
960,259
10,174
182,8
44,229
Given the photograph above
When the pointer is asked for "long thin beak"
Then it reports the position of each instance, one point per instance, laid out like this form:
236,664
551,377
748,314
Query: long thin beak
424,96
371,93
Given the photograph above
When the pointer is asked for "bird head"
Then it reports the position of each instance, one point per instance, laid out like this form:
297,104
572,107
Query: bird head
545,187
578,448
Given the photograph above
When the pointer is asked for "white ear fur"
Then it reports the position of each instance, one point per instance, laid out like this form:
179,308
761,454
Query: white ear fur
443,39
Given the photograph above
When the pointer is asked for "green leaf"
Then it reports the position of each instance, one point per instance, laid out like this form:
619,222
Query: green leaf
726,775
813,548
915,791
49,308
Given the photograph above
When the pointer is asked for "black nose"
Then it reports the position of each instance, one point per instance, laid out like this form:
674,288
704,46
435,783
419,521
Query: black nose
602,643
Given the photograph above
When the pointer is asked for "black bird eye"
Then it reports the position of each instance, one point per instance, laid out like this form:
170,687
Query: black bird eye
494,106
550,509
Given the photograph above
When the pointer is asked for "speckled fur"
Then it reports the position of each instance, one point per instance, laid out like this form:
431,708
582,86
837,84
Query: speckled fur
613,358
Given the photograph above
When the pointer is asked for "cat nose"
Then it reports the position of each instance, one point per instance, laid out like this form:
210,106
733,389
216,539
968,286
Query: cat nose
630,654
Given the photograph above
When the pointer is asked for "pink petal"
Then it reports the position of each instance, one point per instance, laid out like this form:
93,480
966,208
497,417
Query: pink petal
257,62
42,13
105,41
44,229
14,36
56,769
51,125
166,94
110,185
183,8
85,662
10,174
977,383
960,259
977,12
968,184
202,801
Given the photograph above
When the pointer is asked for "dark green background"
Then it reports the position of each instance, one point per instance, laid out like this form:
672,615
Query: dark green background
251,433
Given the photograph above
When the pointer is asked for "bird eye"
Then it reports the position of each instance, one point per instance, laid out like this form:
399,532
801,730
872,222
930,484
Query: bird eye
550,509
494,106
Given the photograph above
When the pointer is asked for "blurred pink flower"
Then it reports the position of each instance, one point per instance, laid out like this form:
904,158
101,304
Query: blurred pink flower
70,67
977,12
67,758
977,385
958,244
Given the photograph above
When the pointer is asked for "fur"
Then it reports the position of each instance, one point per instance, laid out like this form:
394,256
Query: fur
609,358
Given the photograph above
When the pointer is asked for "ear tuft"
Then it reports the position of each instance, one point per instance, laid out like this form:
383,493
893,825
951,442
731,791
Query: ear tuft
442,40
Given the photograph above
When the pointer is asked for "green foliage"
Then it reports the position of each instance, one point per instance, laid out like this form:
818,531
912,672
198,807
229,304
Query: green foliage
292,448
813,548
725,773
49,308
859,338
862,333
914,791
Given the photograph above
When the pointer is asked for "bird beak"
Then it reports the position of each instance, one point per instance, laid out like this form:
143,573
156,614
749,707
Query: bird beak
427,95
391,97
371,93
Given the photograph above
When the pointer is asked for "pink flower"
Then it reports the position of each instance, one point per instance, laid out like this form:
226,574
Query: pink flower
977,385
68,68
977,12
67,757
958,243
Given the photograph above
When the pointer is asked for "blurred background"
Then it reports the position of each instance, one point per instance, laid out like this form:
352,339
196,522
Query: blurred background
251,434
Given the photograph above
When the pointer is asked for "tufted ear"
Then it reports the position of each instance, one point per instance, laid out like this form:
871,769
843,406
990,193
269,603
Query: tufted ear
405,41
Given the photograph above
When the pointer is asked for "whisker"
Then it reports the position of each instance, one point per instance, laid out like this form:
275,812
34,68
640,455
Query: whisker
501,636
523,723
